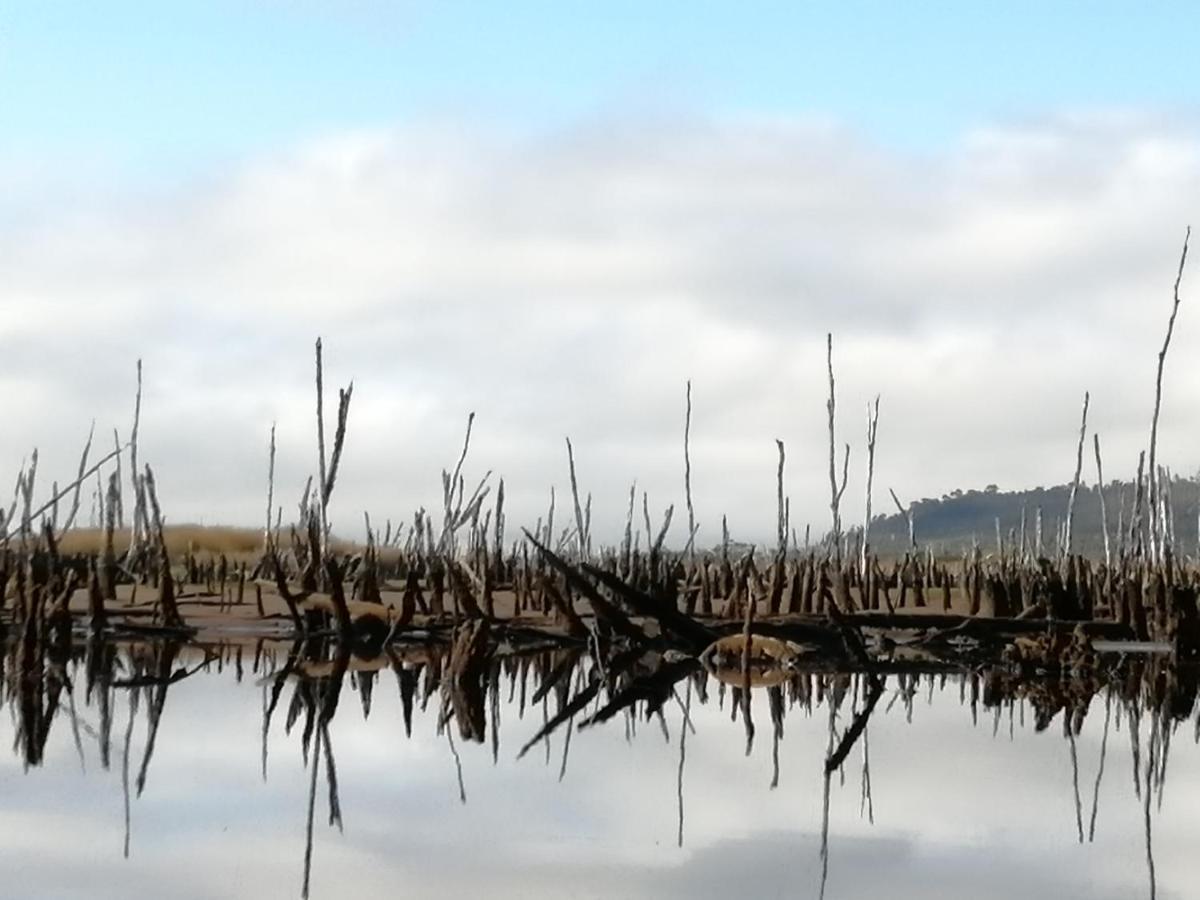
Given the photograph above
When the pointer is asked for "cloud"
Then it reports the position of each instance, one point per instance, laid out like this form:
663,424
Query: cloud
570,281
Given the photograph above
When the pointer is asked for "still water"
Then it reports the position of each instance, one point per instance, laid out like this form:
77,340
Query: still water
193,800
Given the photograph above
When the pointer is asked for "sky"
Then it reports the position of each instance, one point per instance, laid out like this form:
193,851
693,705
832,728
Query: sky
555,215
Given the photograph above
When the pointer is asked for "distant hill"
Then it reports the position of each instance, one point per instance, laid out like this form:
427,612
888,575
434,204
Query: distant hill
950,524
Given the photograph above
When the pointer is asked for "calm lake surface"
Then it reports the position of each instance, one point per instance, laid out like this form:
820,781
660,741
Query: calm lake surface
962,803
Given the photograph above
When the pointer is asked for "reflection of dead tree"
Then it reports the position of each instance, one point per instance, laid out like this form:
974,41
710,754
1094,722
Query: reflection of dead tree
775,700
837,755
407,679
308,828
835,759
747,654
272,700
100,660
562,767
165,656
320,702
463,688
133,705
867,800
1135,727
577,704
683,730
825,803
335,805
1151,764
1100,770
1157,535
75,726
458,769
493,692
1075,777
653,690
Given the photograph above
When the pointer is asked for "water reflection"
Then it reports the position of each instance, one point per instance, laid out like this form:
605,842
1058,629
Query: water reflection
263,768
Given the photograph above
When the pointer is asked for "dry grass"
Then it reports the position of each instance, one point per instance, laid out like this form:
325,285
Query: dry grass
199,539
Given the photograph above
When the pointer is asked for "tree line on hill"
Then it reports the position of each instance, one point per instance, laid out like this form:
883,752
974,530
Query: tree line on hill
956,521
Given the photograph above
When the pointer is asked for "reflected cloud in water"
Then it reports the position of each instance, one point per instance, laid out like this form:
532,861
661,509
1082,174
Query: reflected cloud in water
396,777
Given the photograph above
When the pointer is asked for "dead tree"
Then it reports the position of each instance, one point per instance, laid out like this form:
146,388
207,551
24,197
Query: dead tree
835,491
1155,531
1066,548
1103,509
872,428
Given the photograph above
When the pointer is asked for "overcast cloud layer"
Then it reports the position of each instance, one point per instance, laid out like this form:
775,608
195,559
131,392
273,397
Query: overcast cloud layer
570,282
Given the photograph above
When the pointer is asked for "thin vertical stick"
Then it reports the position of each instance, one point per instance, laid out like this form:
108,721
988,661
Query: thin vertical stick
139,497
120,502
683,730
1037,532
1123,496
1100,770
872,429
27,496
581,535
1103,509
908,517
627,542
312,806
1162,357
133,705
687,474
1075,780
1139,496
108,559
835,492
321,450
267,546
70,520
781,527
1066,550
